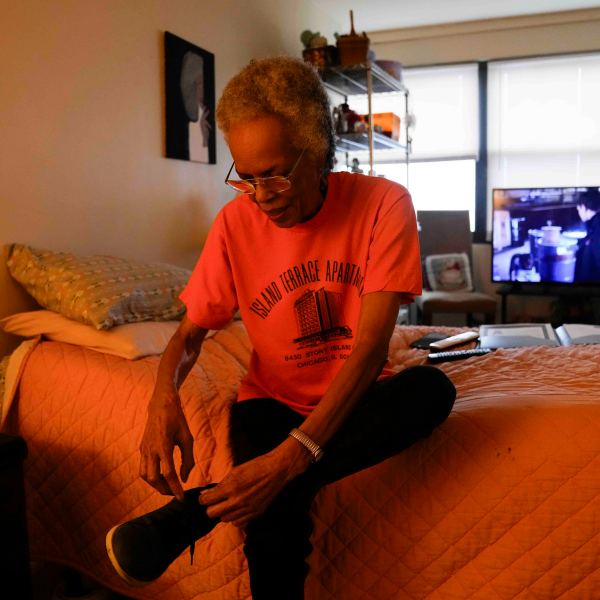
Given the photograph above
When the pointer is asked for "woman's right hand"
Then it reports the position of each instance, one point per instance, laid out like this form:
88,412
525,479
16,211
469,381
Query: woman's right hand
166,428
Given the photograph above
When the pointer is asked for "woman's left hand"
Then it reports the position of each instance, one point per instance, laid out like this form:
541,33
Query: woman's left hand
249,488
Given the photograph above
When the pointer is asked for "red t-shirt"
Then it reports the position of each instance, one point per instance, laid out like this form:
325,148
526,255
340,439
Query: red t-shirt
299,289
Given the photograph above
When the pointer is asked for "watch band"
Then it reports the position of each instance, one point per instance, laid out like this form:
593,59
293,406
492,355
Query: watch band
315,450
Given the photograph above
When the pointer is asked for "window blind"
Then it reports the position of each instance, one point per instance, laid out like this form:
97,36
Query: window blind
445,103
544,122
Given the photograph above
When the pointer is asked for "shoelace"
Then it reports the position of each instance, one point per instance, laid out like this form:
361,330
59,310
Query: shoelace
180,510
193,542
189,526
183,509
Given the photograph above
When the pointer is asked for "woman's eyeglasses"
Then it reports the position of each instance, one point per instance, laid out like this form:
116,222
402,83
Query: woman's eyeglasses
277,183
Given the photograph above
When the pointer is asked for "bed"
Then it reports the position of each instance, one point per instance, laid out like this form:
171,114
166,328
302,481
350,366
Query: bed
501,501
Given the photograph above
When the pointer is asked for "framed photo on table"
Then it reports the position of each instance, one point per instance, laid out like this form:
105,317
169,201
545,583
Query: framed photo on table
190,101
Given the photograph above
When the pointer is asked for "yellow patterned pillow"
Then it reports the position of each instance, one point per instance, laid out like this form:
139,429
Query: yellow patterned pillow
102,291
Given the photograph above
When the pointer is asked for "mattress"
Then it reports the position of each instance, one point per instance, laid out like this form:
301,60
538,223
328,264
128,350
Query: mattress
501,501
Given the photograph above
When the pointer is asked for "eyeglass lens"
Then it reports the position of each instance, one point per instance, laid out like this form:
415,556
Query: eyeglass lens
272,184
276,183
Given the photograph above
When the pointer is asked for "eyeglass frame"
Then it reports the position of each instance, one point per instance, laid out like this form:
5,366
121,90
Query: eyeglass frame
254,181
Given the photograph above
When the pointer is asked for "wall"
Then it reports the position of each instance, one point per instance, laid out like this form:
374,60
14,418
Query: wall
82,100
532,35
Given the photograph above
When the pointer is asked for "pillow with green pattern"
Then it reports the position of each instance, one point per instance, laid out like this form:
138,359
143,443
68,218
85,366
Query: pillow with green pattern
102,291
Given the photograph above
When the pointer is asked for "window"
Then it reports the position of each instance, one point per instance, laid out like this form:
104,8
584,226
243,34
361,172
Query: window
444,101
544,122
437,185
543,130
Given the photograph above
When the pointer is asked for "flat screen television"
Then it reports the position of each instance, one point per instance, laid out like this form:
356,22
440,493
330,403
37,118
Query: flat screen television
537,232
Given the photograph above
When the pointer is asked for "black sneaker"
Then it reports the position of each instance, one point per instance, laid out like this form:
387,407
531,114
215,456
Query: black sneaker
140,550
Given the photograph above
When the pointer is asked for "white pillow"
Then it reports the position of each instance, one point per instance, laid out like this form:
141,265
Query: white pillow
449,272
132,340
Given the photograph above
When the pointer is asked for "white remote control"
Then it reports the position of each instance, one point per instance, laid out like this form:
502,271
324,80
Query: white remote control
454,340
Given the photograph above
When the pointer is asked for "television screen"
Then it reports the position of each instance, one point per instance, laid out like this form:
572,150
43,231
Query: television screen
547,235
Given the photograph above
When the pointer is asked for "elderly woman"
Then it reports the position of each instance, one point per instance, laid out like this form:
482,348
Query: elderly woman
318,264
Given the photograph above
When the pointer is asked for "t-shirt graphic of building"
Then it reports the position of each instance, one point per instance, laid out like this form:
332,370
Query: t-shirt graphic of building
319,317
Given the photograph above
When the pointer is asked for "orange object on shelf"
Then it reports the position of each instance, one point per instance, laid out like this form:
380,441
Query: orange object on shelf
387,123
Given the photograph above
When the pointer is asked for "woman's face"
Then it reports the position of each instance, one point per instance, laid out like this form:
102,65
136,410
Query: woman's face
261,148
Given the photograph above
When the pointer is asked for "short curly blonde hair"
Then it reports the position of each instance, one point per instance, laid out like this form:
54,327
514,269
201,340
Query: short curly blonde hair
289,88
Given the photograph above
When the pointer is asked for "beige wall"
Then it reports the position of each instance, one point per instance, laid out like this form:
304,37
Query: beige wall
533,35
82,127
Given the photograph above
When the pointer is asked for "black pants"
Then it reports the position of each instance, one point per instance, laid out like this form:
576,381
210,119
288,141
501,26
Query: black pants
392,415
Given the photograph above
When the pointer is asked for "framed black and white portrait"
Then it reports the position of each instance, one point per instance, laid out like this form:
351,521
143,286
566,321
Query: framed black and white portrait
190,101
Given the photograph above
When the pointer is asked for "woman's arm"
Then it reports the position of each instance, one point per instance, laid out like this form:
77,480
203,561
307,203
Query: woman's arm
166,425
249,488
379,311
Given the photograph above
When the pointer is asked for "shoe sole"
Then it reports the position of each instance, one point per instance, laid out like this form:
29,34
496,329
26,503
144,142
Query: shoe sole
115,563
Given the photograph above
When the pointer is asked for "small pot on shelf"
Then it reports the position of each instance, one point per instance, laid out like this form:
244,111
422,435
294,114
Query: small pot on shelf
321,56
353,49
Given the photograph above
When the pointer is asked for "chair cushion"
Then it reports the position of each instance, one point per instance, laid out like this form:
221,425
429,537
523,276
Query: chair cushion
449,272
453,302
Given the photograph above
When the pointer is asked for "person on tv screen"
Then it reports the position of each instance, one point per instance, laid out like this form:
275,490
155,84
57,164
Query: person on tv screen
318,264
587,264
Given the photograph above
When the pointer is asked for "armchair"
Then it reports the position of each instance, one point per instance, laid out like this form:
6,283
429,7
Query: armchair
448,233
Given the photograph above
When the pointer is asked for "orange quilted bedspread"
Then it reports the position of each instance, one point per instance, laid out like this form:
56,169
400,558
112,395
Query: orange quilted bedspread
502,501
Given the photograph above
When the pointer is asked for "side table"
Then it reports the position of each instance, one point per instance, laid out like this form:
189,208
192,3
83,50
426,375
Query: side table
15,577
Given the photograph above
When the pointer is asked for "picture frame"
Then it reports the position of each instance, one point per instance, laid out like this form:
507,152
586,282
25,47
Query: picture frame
189,101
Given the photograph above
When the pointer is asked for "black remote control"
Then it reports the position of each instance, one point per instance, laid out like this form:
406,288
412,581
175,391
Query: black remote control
457,354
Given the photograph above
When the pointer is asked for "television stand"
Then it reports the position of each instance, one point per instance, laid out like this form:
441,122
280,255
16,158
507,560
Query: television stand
565,293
